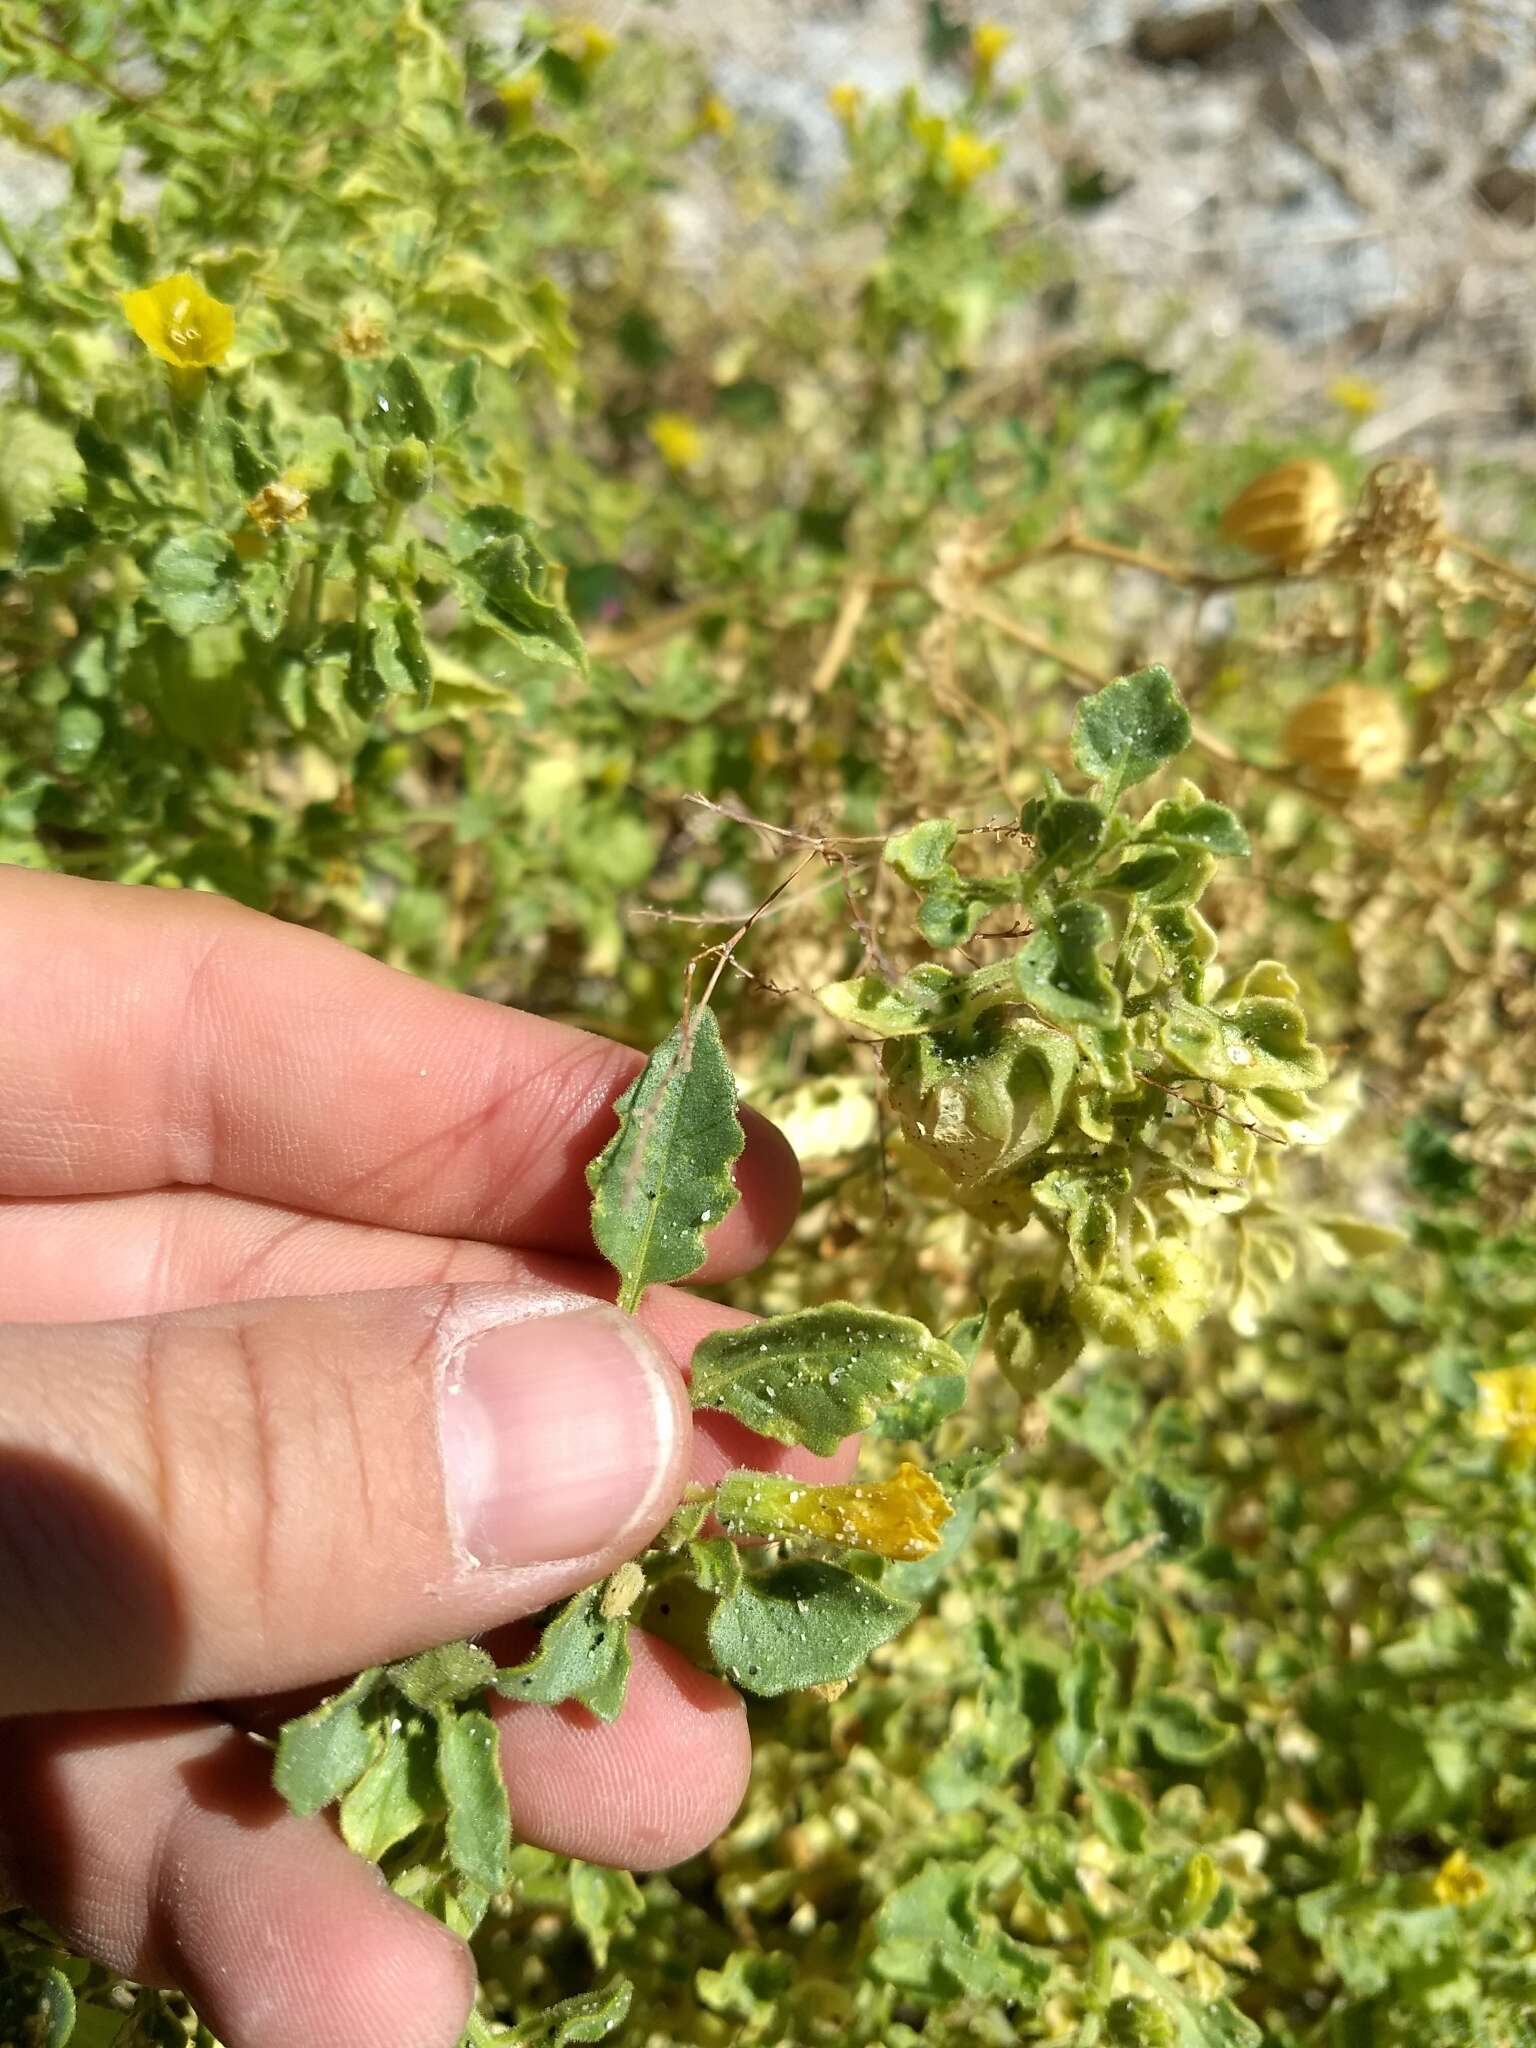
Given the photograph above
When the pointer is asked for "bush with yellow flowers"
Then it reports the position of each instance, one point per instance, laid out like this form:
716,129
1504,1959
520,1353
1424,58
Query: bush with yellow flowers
408,525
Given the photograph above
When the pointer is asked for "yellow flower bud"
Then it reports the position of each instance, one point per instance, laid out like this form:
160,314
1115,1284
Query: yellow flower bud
989,39
1354,396
1287,514
1351,735
965,156
181,323
847,102
1458,1881
1506,1410
519,96
591,44
678,440
715,117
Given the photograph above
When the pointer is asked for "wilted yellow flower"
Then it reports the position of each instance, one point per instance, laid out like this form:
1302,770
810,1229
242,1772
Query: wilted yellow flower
1458,1881
715,117
277,504
900,1517
361,336
679,440
1287,514
1506,1409
847,102
181,323
1352,735
1355,396
989,39
965,156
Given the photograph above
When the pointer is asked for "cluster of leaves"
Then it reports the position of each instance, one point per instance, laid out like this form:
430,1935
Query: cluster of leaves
412,590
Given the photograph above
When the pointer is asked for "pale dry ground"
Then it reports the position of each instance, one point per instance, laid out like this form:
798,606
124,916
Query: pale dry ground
1344,187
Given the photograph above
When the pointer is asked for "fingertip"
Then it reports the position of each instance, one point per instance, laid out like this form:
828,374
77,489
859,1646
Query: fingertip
643,1792
767,1177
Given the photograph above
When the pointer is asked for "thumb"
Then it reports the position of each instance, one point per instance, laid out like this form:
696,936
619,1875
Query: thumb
238,1499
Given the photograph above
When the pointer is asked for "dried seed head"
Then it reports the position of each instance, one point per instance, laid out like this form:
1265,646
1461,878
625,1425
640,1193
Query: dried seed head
1288,514
1399,519
1351,735
277,504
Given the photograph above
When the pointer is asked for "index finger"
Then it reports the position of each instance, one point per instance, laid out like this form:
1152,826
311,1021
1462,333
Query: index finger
157,1039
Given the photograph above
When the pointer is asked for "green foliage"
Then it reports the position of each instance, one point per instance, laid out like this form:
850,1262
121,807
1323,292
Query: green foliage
665,1176
421,617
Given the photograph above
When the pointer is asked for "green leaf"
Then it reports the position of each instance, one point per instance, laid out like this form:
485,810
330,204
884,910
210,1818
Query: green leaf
479,1831
1067,830
61,541
582,1655
504,580
665,1176
1088,1196
1257,1042
444,1676
920,855
397,1794
401,407
591,2016
461,394
37,2004
250,469
325,1751
194,578
816,1375
399,653
931,1941
1190,819
538,150
1181,1731
1060,970
603,1903
1129,729
801,1624
914,1005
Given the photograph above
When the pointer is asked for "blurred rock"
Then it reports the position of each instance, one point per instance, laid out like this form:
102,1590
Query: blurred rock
1178,31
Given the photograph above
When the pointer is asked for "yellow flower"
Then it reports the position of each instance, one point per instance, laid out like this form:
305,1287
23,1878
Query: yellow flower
901,1517
989,39
1351,735
965,156
361,336
519,96
592,44
847,102
679,440
1286,514
1506,1409
277,504
181,323
1354,396
1458,1881
715,117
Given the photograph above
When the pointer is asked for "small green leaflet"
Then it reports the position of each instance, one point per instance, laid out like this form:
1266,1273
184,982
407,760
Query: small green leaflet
817,1375
931,1940
195,580
325,1751
582,1655
801,1624
436,1678
469,1769
1129,729
397,1794
665,1175
592,2016
604,1903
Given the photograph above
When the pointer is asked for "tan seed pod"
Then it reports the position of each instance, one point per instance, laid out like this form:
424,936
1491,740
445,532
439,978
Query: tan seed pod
1287,514
1351,735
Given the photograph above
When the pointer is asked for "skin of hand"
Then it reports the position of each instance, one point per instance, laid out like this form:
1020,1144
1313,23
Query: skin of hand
307,1362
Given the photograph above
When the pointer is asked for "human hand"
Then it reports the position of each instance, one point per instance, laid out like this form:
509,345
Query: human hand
302,1367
